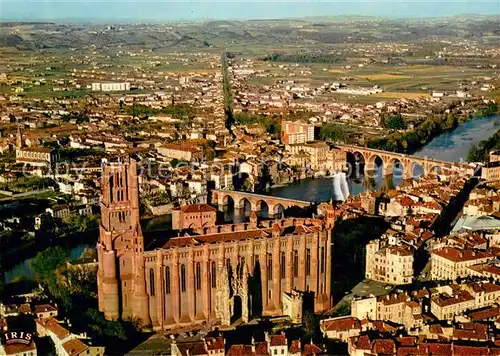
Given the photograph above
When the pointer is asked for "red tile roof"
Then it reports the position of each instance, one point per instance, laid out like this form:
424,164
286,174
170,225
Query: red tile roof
198,208
340,324
384,347
429,349
457,255
215,343
311,350
469,350
459,296
407,351
278,340
484,287
241,350
52,325
295,347
74,347
261,349
489,313
42,308
363,343
407,341
436,329
16,349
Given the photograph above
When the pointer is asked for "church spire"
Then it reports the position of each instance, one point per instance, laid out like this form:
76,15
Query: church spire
19,138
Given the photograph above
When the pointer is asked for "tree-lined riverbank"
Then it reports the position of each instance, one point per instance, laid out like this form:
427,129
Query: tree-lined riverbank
479,152
437,124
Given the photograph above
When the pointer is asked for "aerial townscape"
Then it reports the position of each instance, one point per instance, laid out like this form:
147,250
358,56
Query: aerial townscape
284,185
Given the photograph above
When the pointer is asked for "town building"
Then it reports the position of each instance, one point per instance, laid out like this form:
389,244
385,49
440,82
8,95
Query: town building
318,154
209,346
195,216
110,86
59,211
453,300
340,328
398,308
45,311
65,342
37,156
450,263
18,349
241,271
389,263
491,171
495,156
446,305
293,132
180,152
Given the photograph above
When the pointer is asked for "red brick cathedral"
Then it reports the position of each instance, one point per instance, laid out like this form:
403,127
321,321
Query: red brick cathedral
227,273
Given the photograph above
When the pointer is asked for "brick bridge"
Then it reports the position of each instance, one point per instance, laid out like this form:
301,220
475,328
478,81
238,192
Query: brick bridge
407,162
275,205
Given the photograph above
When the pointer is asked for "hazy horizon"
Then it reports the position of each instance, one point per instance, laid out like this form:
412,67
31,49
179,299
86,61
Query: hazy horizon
110,10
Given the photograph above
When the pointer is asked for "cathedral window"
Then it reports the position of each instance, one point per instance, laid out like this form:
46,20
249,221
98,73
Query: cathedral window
198,276
214,277
295,263
308,262
269,267
322,262
283,265
167,280
151,282
183,278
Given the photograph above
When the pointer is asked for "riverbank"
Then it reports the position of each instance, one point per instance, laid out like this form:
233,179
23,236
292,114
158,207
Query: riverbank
14,255
441,123
449,146
481,152
455,145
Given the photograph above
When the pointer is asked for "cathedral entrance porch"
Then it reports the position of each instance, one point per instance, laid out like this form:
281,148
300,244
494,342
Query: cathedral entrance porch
236,309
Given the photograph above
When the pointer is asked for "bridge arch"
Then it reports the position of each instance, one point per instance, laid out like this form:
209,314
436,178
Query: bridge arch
417,169
435,169
395,166
245,205
376,164
355,162
228,200
262,207
365,155
278,210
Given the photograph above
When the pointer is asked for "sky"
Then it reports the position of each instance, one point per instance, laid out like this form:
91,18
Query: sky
168,10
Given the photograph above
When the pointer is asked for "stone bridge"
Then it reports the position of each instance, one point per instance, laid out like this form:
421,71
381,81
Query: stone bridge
406,162
275,205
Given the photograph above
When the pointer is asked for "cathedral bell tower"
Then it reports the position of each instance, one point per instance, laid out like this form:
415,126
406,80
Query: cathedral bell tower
19,138
330,216
121,276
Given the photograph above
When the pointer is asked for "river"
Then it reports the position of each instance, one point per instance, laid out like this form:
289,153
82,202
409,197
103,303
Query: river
449,146
23,269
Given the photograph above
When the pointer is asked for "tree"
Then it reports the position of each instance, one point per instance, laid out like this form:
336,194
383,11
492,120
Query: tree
310,324
89,254
105,328
333,132
45,265
475,153
80,223
248,185
394,122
